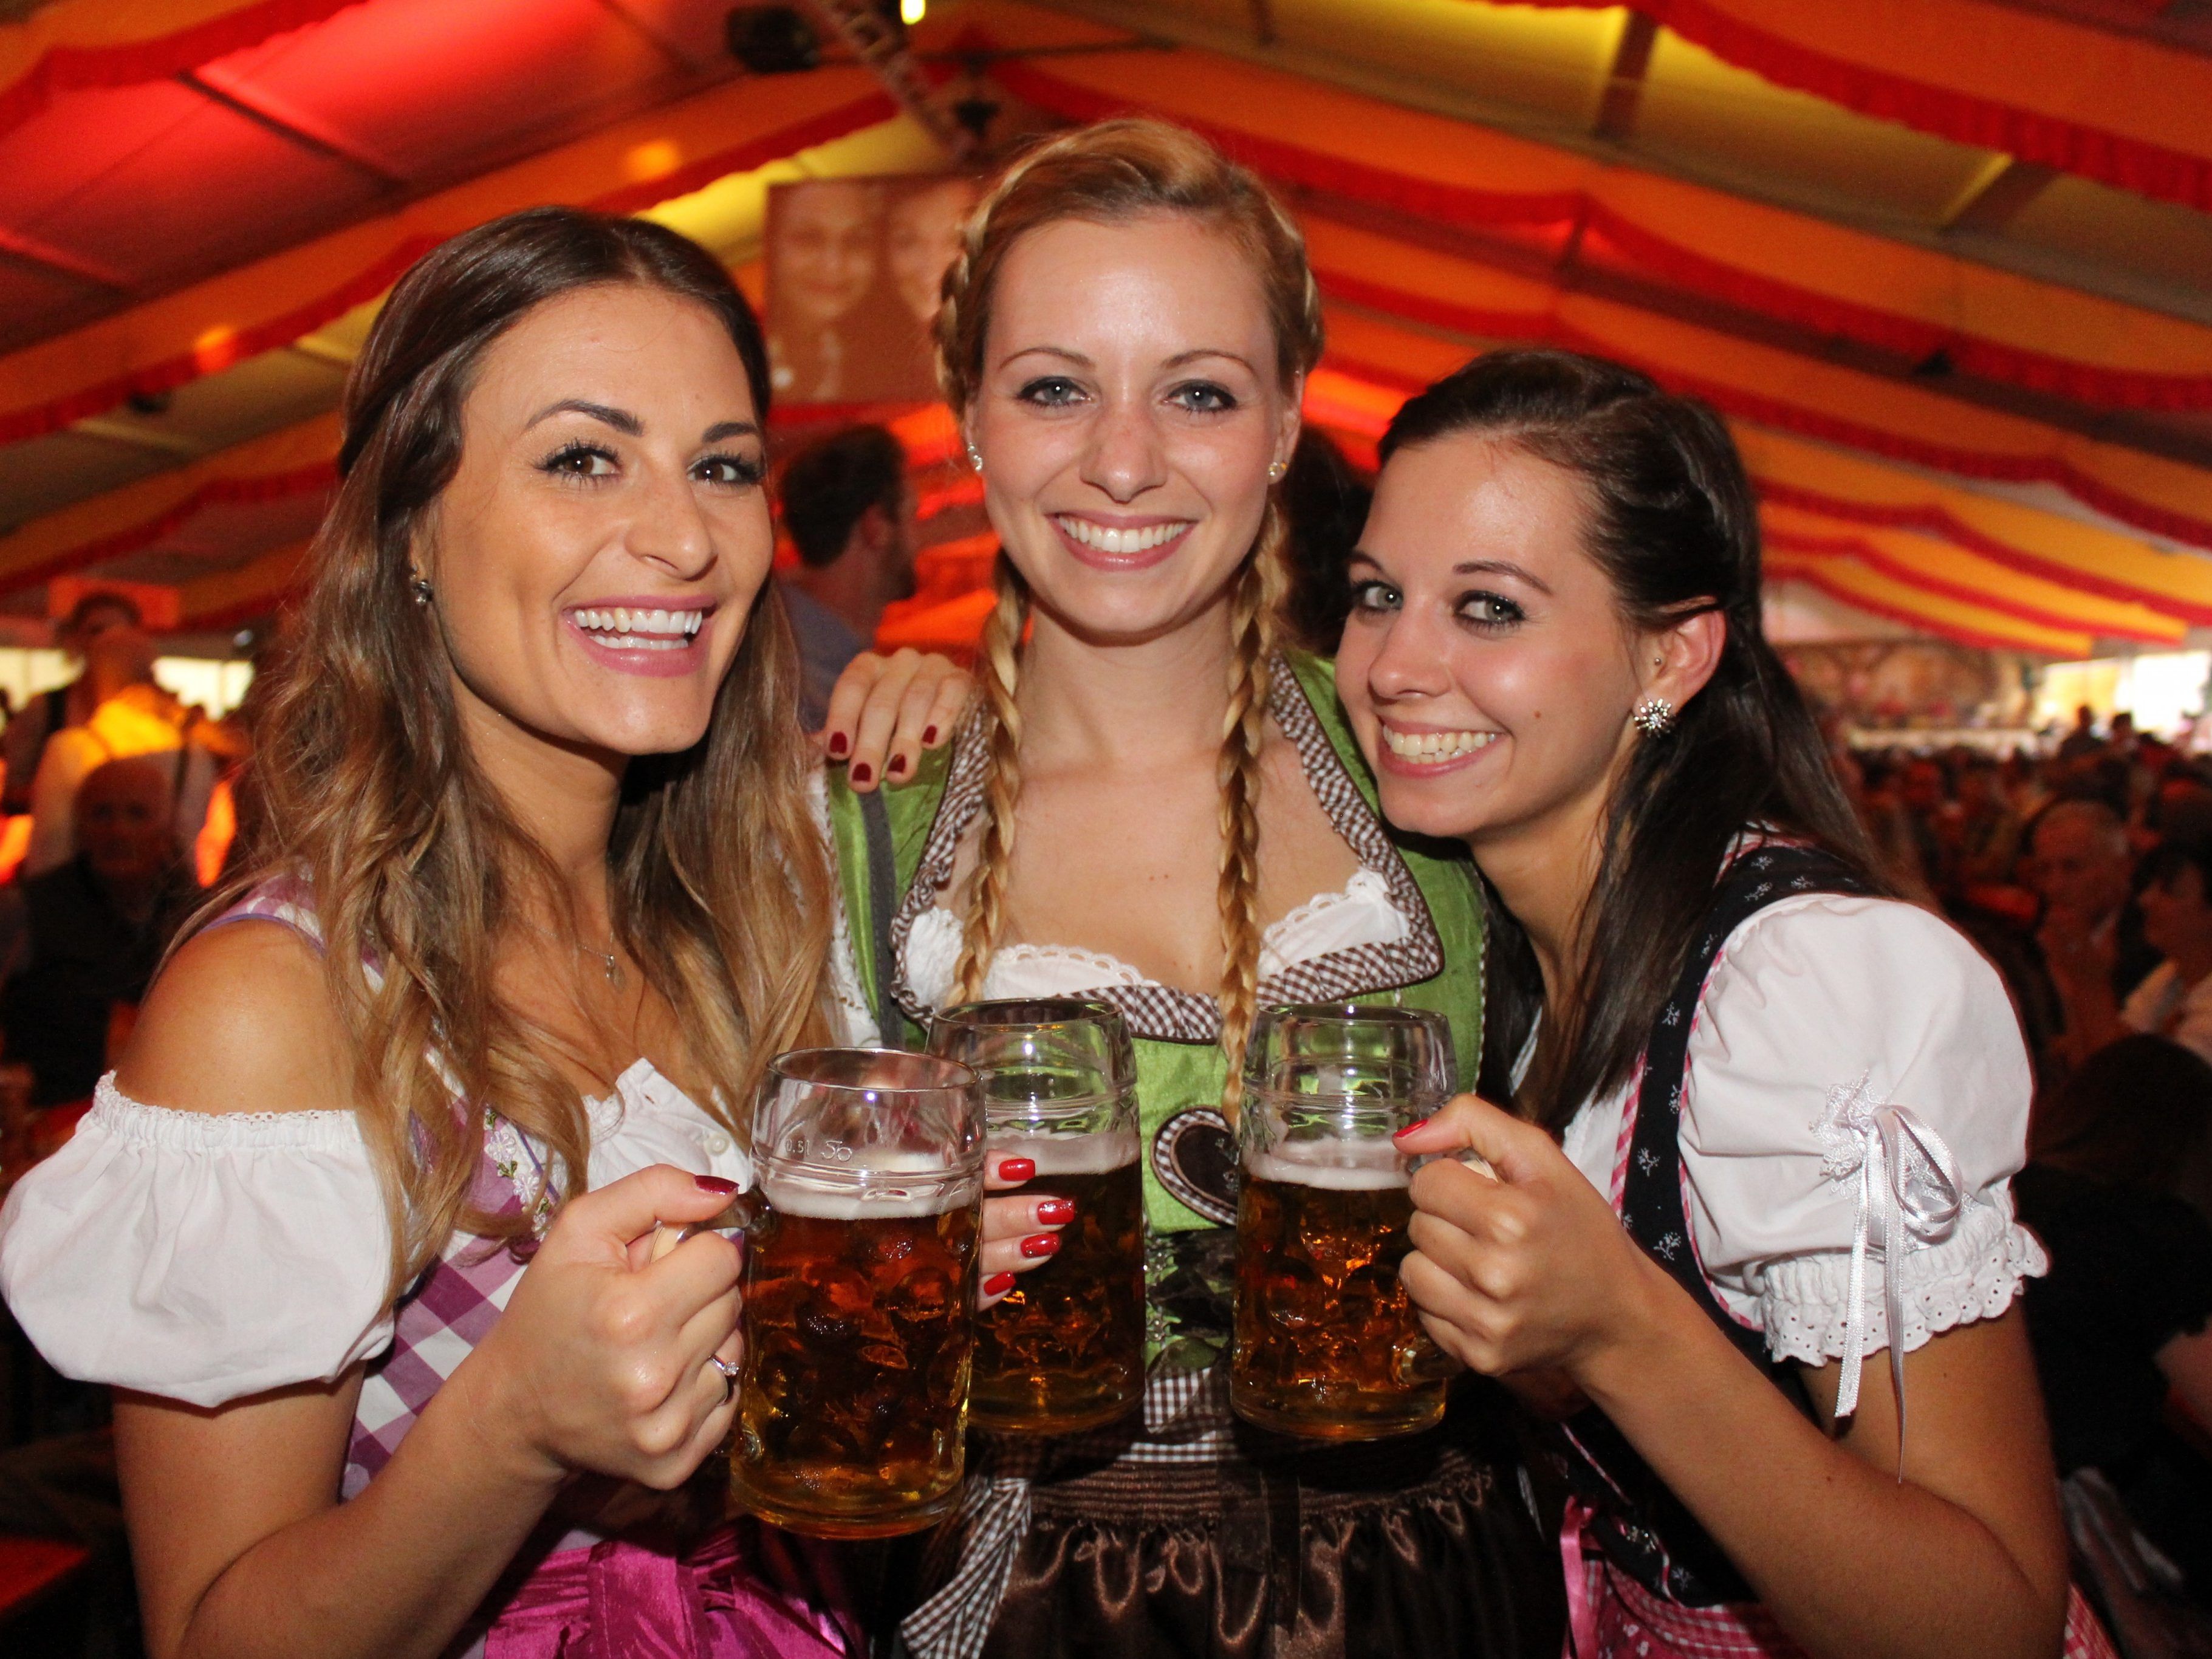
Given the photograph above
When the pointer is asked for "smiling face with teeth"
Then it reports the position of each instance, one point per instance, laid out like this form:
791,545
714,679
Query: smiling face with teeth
1487,666
595,554
1129,409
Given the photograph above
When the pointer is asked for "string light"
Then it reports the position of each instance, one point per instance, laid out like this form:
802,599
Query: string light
910,11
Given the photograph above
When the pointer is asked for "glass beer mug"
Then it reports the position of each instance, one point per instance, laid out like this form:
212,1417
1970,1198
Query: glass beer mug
1326,1343
860,1285
1065,1349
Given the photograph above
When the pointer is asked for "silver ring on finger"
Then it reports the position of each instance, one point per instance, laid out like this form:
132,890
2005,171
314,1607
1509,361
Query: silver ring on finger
729,1376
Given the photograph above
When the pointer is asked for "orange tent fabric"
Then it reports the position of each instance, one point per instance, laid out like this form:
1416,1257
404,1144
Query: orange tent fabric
1790,266
85,43
2117,108
216,324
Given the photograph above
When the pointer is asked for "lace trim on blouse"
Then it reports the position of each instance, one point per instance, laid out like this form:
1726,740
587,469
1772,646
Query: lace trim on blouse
1160,1011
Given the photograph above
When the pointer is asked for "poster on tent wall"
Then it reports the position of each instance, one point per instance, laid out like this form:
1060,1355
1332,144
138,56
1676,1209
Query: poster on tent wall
853,266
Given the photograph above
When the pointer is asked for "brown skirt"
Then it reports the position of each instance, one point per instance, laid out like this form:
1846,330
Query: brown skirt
1427,1545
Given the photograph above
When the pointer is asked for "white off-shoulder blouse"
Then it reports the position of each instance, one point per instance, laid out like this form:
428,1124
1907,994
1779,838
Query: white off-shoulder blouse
1821,1012
206,1256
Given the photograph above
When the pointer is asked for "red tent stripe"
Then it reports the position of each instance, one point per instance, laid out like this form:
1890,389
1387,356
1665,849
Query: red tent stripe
70,69
1681,265
2111,158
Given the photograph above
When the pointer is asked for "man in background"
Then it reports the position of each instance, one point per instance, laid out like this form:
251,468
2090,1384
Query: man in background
66,705
82,942
850,513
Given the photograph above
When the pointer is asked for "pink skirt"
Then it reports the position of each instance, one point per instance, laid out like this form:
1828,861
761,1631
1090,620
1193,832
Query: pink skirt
744,1592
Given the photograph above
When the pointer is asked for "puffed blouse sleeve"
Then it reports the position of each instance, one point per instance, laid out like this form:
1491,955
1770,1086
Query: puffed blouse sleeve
200,1256
1855,1066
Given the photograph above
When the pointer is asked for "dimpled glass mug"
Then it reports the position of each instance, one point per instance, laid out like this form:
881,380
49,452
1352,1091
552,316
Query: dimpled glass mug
1326,1343
860,1288
1065,1349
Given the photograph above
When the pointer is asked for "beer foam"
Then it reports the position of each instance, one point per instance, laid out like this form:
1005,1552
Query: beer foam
928,1189
1343,1166
1069,1154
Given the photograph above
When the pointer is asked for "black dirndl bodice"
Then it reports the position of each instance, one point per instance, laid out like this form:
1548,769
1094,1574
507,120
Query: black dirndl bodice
1637,1520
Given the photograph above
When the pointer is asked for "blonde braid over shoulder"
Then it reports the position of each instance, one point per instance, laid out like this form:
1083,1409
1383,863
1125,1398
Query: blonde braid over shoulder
1256,604
998,663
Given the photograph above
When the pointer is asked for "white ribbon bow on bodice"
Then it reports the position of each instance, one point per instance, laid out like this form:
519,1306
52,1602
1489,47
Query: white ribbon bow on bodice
1910,1194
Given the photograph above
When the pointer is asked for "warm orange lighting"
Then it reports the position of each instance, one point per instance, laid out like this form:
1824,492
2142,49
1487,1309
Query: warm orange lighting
910,11
654,159
214,348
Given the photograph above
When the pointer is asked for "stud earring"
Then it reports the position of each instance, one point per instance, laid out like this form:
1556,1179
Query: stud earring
1275,470
1654,717
419,585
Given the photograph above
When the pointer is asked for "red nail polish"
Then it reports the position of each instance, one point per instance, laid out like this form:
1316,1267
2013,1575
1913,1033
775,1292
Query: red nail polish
1056,1212
997,1284
1040,1244
1410,1127
928,734
862,771
839,744
898,764
1016,1169
716,1184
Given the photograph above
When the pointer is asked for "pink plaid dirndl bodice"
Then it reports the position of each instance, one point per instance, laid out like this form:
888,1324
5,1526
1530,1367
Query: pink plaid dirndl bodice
745,1591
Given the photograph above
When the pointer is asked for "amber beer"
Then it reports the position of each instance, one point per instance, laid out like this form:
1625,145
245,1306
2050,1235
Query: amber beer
858,1292
1065,1350
858,1338
1327,1342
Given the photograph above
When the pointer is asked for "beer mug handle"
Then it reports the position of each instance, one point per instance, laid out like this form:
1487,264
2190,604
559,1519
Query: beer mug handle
1473,1160
742,1218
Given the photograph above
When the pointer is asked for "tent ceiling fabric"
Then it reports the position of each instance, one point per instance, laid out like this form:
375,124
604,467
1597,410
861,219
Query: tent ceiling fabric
1948,302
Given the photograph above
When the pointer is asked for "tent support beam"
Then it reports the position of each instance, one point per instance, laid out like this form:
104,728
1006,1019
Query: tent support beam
1998,195
241,102
1624,83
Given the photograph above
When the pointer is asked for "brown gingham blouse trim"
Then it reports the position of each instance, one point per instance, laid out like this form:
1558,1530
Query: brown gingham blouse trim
1161,1013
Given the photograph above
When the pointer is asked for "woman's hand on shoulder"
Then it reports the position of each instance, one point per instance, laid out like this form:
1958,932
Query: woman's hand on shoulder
240,1020
602,1359
885,711
1525,1266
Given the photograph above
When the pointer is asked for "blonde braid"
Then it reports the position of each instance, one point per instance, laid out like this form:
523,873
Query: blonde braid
999,657
1256,604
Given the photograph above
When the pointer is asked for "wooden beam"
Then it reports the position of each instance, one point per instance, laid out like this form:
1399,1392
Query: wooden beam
1998,195
289,126
1624,81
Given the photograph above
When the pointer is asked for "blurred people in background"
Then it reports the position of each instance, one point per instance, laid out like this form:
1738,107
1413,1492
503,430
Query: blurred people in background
1325,499
850,513
79,943
2175,998
2082,740
130,715
2081,868
1987,832
30,728
2120,1321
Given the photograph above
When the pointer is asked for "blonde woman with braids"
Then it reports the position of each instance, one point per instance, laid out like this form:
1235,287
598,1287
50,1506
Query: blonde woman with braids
363,1230
1155,805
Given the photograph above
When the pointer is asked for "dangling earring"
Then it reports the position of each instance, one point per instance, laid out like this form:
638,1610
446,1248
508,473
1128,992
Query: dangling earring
420,584
1654,717
974,456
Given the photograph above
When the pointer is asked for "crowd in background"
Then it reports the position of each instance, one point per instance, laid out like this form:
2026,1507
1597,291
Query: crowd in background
2084,875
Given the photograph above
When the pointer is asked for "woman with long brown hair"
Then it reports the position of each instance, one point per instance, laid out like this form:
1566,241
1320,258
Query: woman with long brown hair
361,1231
1157,805
1755,1118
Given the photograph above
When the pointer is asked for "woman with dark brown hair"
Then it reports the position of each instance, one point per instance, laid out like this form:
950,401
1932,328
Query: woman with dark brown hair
361,1230
1755,1119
